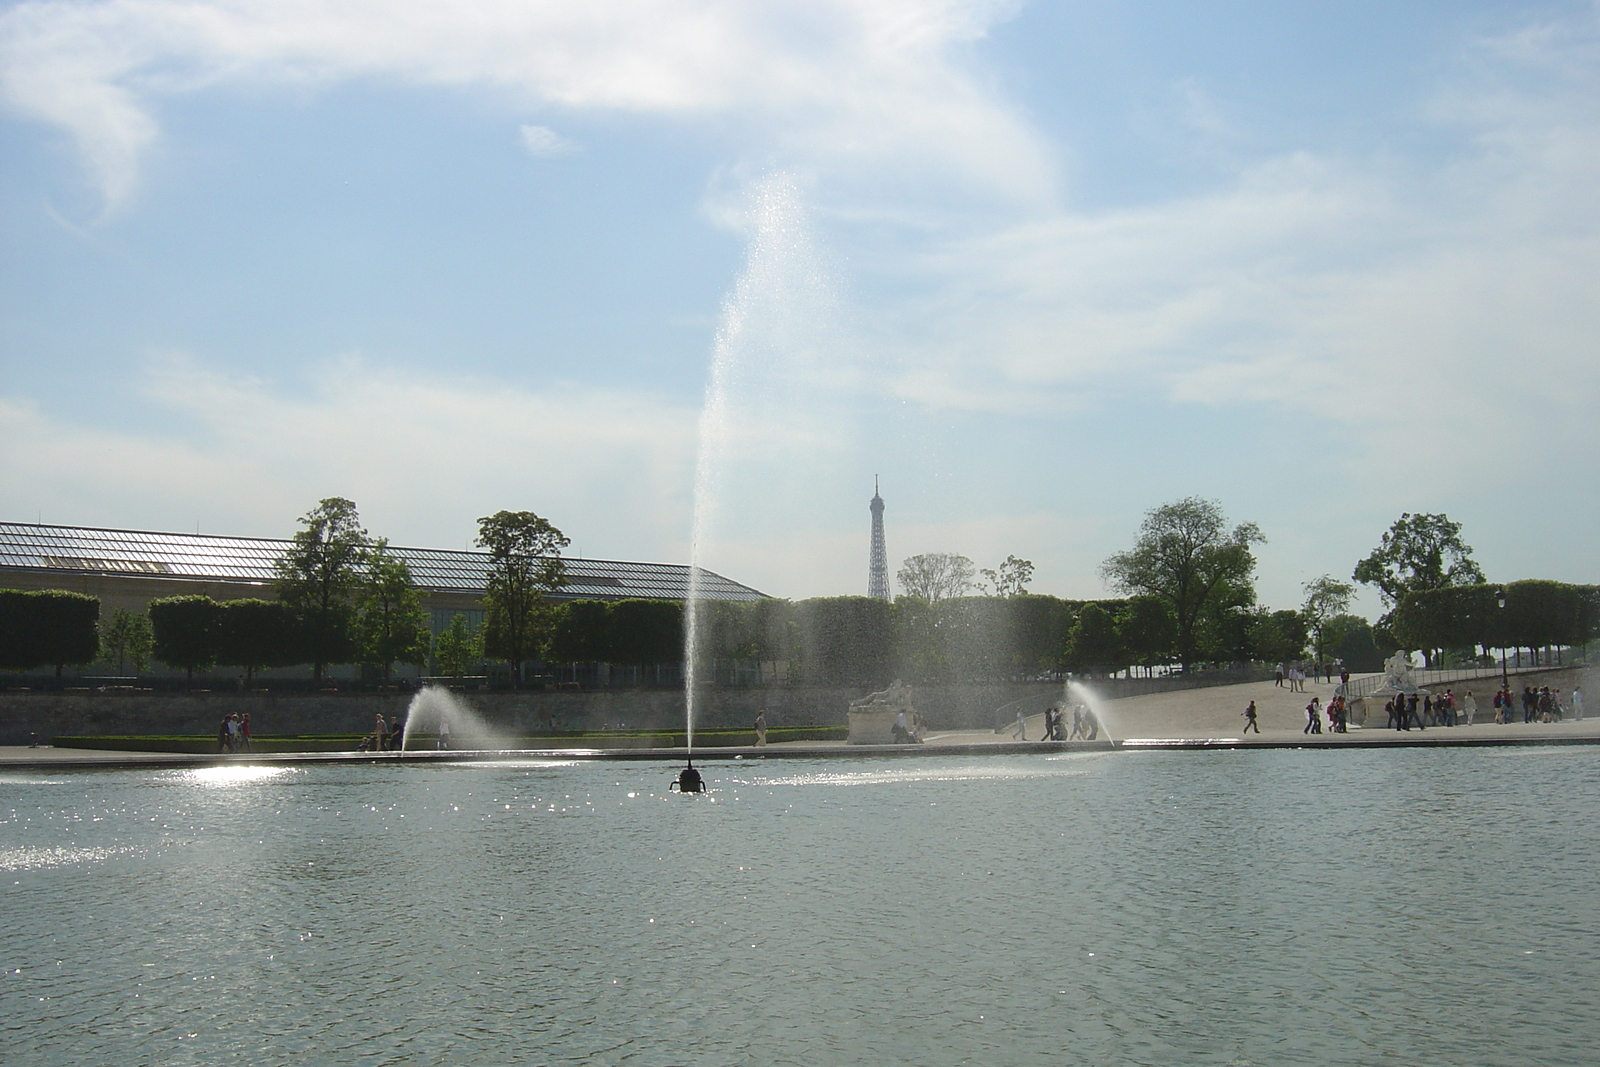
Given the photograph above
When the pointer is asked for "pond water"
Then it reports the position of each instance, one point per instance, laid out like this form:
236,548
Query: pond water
1232,907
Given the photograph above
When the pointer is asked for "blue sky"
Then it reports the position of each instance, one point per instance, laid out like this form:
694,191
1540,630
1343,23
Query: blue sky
1039,266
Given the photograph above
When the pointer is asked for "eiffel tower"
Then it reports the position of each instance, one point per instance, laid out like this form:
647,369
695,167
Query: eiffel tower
878,562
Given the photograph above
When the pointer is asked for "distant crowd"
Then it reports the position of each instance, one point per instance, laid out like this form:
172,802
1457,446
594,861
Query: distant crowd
1294,675
1541,704
1085,727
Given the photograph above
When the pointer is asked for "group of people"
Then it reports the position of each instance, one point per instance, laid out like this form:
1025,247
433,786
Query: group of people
234,733
1538,705
1422,710
1294,674
1338,716
390,735
1085,727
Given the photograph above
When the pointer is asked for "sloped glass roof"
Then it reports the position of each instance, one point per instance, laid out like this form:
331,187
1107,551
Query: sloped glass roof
201,557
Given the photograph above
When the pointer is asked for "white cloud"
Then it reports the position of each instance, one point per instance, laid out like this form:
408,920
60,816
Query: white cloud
543,141
422,457
1404,305
861,85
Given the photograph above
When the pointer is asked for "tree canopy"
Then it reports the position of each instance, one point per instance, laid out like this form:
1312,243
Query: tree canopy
318,575
49,626
390,625
1418,553
1326,599
186,630
1188,557
935,576
1012,577
126,640
524,565
253,634
458,647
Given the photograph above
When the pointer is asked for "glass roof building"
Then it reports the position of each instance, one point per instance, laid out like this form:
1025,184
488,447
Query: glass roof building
50,554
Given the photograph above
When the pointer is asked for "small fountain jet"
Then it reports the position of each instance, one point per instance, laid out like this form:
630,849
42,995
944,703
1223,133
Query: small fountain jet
689,780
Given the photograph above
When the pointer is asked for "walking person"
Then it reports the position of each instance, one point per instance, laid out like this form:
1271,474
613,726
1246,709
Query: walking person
1313,718
761,727
1019,730
1577,703
1250,719
1470,702
244,730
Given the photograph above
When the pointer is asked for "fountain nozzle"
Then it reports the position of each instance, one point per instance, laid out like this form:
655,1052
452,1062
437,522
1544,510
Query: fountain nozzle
689,780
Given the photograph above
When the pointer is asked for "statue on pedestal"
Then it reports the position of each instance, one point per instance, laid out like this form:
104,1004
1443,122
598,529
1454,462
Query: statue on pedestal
883,718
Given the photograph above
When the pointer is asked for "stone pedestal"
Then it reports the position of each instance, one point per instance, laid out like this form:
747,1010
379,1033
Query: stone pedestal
873,725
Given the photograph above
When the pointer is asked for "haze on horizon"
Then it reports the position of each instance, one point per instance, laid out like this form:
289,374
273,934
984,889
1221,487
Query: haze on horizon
1041,267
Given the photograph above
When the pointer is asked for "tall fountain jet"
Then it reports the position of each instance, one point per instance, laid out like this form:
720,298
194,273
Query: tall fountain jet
878,562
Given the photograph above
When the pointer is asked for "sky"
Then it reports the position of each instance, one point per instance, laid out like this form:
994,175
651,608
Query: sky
1036,267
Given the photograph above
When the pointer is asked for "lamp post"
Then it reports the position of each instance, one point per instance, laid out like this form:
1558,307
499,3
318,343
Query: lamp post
1505,679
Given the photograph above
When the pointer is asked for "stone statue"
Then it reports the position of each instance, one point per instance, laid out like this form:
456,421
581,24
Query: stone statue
1397,669
874,716
898,695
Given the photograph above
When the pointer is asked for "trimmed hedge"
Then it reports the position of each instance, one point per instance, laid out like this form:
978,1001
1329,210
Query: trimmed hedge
50,627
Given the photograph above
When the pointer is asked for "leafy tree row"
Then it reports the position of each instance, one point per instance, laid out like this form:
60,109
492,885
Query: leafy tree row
47,628
1536,614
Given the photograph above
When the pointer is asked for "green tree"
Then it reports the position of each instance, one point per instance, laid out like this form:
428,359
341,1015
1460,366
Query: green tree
391,626
71,623
1418,553
318,575
1326,598
1276,636
1039,626
127,640
580,632
21,645
935,576
844,640
48,627
1093,642
524,565
254,634
1147,630
458,647
1187,557
1350,638
1012,578
645,632
186,630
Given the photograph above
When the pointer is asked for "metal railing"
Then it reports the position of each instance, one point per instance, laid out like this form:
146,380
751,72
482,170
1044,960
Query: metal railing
1369,684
